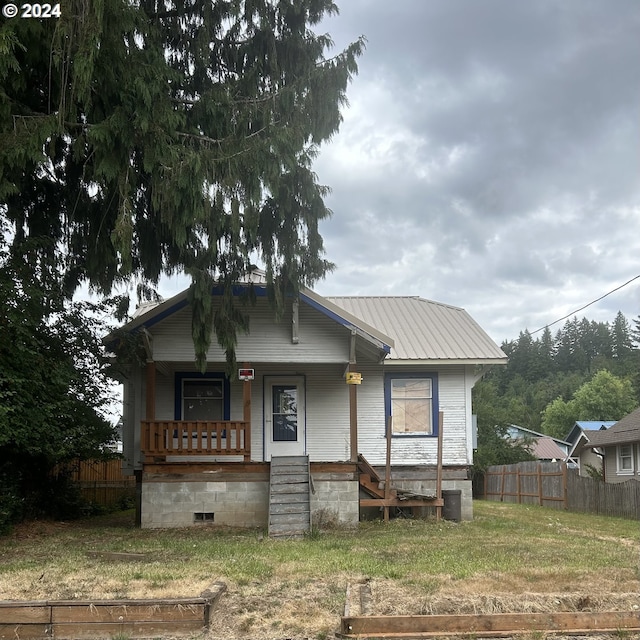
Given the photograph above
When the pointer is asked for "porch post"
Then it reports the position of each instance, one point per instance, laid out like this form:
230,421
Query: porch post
151,391
246,415
353,417
353,401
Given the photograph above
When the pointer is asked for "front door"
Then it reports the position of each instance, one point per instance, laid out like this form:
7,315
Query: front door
284,432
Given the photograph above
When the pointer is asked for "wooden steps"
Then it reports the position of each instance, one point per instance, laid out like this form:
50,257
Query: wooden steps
289,501
373,485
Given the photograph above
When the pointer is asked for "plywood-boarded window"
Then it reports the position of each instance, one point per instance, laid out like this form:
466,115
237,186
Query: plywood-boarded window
412,406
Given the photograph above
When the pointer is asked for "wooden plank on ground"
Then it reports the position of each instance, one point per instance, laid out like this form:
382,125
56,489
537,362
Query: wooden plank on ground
24,631
488,625
91,612
157,629
13,613
105,618
396,502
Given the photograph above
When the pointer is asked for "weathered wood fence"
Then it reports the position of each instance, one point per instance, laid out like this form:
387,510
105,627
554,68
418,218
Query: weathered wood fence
102,481
552,484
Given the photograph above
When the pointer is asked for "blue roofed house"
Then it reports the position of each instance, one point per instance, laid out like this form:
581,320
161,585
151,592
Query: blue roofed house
318,388
581,455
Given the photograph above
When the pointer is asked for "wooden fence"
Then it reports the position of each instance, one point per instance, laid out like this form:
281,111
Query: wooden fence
102,481
552,484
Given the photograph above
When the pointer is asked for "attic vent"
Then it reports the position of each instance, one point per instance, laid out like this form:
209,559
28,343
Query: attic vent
203,516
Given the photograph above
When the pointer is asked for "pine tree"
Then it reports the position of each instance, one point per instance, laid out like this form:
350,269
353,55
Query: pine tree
635,332
621,336
146,138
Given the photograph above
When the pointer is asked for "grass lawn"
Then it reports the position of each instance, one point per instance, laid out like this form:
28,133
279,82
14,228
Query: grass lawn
511,557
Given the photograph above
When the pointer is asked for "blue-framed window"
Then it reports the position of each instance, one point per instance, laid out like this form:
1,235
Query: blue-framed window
411,399
202,396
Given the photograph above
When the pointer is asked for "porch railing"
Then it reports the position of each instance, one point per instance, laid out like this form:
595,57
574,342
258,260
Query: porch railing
179,438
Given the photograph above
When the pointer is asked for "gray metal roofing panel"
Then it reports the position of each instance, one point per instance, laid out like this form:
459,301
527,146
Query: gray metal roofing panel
423,329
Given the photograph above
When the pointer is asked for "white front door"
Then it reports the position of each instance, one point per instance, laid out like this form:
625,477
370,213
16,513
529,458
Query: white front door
284,424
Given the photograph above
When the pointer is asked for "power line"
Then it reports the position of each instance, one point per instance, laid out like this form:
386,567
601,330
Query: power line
586,305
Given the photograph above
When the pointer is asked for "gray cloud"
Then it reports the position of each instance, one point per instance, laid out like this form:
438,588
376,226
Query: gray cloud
489,157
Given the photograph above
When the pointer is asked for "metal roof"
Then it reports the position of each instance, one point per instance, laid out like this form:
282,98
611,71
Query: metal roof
594,425
624,431
546,448
423,330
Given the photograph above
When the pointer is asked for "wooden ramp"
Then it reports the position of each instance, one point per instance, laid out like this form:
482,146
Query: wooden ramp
289,501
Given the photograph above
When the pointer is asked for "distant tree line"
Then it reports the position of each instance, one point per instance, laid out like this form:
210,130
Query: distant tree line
587,371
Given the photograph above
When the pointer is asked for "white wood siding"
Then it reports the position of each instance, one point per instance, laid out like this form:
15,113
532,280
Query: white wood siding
320,339
454,401
326,406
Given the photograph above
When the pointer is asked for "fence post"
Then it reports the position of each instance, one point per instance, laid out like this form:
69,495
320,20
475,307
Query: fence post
502,484
518,489
539,484
565,488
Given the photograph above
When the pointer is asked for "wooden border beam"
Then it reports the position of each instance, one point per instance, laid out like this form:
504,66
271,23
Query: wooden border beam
488,625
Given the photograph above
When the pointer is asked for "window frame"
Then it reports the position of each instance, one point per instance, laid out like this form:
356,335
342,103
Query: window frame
185,376
619,457
435,404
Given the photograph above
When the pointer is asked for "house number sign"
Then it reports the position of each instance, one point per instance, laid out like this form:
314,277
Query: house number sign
354,378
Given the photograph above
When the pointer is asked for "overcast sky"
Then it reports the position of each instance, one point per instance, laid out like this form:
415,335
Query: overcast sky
489,158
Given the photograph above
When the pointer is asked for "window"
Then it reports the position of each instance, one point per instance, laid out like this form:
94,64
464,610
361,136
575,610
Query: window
202,400
285,413
412,403
625,458
201,396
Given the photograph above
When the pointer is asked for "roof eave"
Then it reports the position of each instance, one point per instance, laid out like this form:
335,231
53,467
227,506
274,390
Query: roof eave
371,334
445,361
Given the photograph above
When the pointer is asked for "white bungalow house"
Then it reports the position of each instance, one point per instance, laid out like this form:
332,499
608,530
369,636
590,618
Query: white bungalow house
206,448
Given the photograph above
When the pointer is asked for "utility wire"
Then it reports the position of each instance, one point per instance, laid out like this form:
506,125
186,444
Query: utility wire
586,305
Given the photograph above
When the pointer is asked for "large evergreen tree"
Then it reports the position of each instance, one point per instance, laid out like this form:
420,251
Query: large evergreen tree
160,137
54,390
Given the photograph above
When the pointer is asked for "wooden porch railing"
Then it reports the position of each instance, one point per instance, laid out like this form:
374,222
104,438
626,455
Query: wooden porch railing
178,438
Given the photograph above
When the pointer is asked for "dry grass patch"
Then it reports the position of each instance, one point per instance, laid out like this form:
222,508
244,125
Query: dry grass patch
509,557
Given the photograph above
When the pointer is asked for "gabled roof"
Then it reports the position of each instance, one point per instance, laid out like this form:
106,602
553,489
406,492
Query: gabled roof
410,329
583,428
543,447
546,448
624,431
149,314
425,331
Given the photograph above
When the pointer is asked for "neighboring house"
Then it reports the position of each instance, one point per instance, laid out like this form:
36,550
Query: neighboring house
205,448
620,445
581,455
541,446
